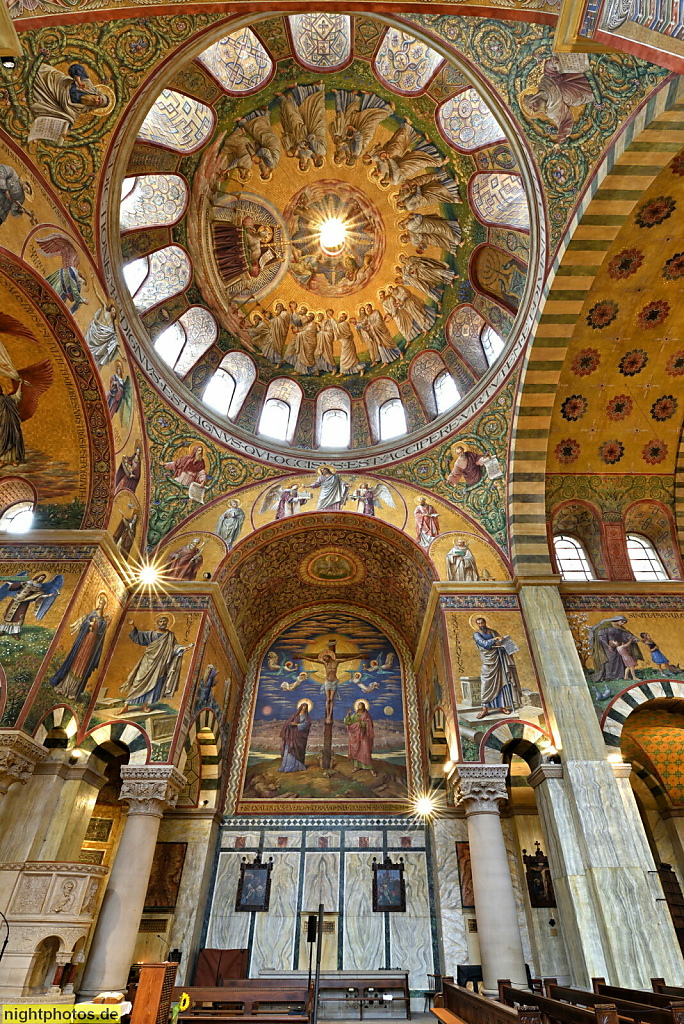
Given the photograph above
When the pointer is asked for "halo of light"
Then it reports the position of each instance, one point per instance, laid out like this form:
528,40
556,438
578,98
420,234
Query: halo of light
332,236
149,575
389,710
425,806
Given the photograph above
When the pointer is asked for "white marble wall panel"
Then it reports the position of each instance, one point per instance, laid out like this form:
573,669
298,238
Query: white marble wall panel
229,839
351,839
271,839
364,931
227,929
274,932
416,839
518,882
448,894
321,881
411,933
333,838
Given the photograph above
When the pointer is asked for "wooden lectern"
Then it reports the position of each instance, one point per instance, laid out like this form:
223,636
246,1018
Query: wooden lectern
153,997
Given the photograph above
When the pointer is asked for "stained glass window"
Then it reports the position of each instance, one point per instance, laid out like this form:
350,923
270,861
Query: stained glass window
467,121
151,199
321,40
242,370
492,343
177,121
239,61
405,63
500,199
166,272
186,340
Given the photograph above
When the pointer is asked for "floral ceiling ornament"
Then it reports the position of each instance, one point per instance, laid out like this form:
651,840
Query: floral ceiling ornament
586,361
654,452
602,314
675,364
611,452
567,451
574,407
653,314
663,408
655,211
633,362
625,263
620,407
674,268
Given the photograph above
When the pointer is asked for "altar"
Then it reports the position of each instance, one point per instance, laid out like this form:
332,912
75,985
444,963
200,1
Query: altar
366,995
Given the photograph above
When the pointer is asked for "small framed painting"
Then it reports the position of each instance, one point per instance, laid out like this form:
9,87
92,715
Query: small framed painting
254,886
389,888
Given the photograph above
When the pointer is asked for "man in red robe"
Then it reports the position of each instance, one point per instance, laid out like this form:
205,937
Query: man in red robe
467,467
361,735
427,522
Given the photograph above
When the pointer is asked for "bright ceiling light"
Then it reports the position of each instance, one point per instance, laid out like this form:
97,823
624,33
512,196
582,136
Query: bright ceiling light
332,236
149,575
425,806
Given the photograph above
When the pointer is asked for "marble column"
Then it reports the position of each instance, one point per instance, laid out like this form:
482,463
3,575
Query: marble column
673,819
593,830
19,755
149,790
481,790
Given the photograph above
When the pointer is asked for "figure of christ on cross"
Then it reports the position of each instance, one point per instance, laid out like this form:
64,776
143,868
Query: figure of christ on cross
330,659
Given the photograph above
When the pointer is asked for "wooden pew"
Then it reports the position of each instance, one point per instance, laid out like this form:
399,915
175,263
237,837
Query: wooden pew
461,1006
554,1010
636,995
627,1010
659,986
248,1001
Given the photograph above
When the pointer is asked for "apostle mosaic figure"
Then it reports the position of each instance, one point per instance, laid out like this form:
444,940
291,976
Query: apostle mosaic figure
71,678
426,518
500,687
360,734
157,674
231,522
333,490
294,736
461,564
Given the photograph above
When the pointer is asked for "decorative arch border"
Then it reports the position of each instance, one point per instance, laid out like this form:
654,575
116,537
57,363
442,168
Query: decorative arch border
60,717
656,788
591,232
493,741
596,513
438,744
414,762
211,754
628,700
675,523
128,733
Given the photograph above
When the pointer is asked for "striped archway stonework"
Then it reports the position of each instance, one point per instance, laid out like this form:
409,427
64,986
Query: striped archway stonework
58,718
206,732
510,734
621,707
643,149
124,734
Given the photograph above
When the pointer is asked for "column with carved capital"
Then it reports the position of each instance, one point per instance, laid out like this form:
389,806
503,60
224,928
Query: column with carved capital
19,755
149,790
481,789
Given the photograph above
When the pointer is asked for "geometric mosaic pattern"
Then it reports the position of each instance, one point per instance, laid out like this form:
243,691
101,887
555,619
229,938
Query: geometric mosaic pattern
177,121
321,40
151,199
169,272
405,63
467,122
239,61
500,199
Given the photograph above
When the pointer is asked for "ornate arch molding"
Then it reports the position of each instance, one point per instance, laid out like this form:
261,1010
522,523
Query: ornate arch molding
628,700
513,734
205,730
61,717
414,767
122,733
625,172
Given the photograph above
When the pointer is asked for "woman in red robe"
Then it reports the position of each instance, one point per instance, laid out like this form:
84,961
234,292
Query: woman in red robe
361,733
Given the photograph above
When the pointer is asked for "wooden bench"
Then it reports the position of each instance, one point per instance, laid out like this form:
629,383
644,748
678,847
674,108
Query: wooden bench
247,1000
658,985
555,1010
636,995
627,1009
365,992
461,1006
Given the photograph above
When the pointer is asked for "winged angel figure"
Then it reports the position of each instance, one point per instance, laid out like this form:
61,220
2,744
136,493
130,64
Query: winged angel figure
68,282
20,401
368,498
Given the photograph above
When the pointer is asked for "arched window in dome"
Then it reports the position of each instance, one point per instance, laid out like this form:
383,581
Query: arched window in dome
157,277
468,123
405,63
178,122
243,371
150,200
571,558
377,394
186,340
219,392
463,330
644,558
17,505
333,418
392,419
433,383
278,419
238,62
500,199
321,40
492,343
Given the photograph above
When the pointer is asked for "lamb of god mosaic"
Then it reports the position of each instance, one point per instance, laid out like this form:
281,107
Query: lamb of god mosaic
340,201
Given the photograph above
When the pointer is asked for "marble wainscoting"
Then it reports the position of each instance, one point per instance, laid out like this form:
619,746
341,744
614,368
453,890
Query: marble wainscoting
328,861
446,832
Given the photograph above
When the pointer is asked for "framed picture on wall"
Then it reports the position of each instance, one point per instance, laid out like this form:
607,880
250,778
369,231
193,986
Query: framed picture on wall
389,888
254,886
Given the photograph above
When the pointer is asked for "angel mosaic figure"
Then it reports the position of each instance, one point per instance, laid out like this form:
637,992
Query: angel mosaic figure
286,501
24,592
357,117
20,402
369,498
68,282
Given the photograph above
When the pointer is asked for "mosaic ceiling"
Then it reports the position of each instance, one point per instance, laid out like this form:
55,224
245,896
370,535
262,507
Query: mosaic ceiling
277,135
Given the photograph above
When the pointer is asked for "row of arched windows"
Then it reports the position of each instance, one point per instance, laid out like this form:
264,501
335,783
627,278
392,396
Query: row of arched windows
575,565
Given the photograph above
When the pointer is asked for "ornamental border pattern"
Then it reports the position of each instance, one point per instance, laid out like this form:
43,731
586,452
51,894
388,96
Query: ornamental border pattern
635,602
453,602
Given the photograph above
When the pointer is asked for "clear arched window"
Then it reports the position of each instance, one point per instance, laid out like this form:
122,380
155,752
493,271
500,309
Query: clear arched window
446,392
571,558
177,121
241,368
644,558
392,419
183,343
275,419
335,429
238,61
157,277
219,392
18,518
492,343
151,200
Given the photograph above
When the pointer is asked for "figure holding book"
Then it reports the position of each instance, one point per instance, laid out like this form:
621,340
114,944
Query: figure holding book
500,686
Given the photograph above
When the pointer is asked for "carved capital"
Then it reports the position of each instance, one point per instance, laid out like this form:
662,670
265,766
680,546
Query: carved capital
480,788
150,788
19,755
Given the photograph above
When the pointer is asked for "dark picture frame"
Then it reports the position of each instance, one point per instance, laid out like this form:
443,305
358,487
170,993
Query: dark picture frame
254,886
389,887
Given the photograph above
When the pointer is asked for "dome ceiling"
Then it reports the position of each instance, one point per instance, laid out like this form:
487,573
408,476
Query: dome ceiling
313,203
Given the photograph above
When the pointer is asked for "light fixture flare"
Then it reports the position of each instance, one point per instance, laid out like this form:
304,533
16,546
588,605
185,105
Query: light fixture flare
332,236
425,806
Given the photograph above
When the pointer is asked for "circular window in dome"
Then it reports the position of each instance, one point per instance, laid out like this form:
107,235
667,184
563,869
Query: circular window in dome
336,230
